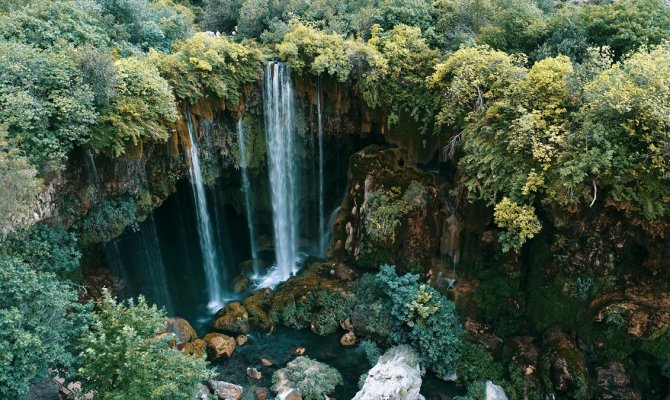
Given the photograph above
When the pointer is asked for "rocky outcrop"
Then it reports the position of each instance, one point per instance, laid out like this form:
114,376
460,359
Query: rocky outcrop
225,390
566,367
391,211
613,383
232,318
397,376
258,308
220,345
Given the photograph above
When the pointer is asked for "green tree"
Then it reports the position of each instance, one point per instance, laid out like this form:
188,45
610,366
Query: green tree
140,110
19,186
124,356
40,322
44,248
43,102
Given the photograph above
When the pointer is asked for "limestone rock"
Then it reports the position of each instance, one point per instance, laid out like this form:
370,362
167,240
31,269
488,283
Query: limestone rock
197,348
181,329
226,391
397,375
232,318
253,373
241,340
348,339
495,392
266,362
220,345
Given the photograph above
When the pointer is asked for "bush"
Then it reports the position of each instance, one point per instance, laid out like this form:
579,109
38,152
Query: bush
125,358
107,221
44,248
321,309
314,380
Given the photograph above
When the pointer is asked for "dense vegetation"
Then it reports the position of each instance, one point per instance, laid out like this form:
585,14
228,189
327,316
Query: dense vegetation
549,109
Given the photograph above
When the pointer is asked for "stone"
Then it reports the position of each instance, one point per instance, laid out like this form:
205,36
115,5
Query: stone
348,339
258,307
397,375
225,390
197,348
261,393
220,345
232,318
613,383
495,392
266,362
290,394
567,369
347,325
241,340
253,373
299,351
241,283
181,328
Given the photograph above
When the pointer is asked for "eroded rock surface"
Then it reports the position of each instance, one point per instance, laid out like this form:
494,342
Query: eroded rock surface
396,376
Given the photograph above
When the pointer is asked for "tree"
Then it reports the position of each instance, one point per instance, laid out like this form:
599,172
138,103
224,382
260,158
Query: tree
140,110
19,186
124,356
40,322
44,248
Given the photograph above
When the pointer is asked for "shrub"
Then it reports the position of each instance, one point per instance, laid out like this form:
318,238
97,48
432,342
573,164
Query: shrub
314,380
107,221
44,248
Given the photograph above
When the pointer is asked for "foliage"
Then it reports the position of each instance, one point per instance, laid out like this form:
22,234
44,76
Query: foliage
426,319
107,221
371,350
142,107
43,102
18,186
44,248
204,66
40,321
124,358
307,49
312,379
321,309
519,221
476,364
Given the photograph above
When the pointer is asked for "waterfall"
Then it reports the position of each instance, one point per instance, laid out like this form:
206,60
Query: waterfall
246,189
210,256
328,237
154,266
280,135
322,223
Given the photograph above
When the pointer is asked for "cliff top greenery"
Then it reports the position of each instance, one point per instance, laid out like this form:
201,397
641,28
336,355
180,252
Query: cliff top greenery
546,104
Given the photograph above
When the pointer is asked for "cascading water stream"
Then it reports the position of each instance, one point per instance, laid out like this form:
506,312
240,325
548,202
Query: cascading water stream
246,189
210,255
153,262
280,136
322,222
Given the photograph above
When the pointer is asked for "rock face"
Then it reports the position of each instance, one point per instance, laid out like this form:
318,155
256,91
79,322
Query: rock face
567,370
232,318
182,329
391,210
613,383
495,392
397,376
646,310
220,345
226,391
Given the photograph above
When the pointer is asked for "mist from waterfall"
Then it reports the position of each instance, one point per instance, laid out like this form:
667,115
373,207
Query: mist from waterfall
246,189
210,256
322,222
280,136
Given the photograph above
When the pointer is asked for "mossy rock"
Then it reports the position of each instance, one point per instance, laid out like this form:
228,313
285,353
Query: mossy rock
196,348
219,345
258,307
232,318
181,328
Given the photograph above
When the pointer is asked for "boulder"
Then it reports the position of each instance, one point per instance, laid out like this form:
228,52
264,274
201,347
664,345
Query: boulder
258,307
241,283
225,390
261,393
181,329
197,348
495,392
220,345
348,339
232,318
253,373
241,340
266,362
397,375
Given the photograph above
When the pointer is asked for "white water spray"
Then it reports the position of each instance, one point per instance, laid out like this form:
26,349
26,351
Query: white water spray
246,189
